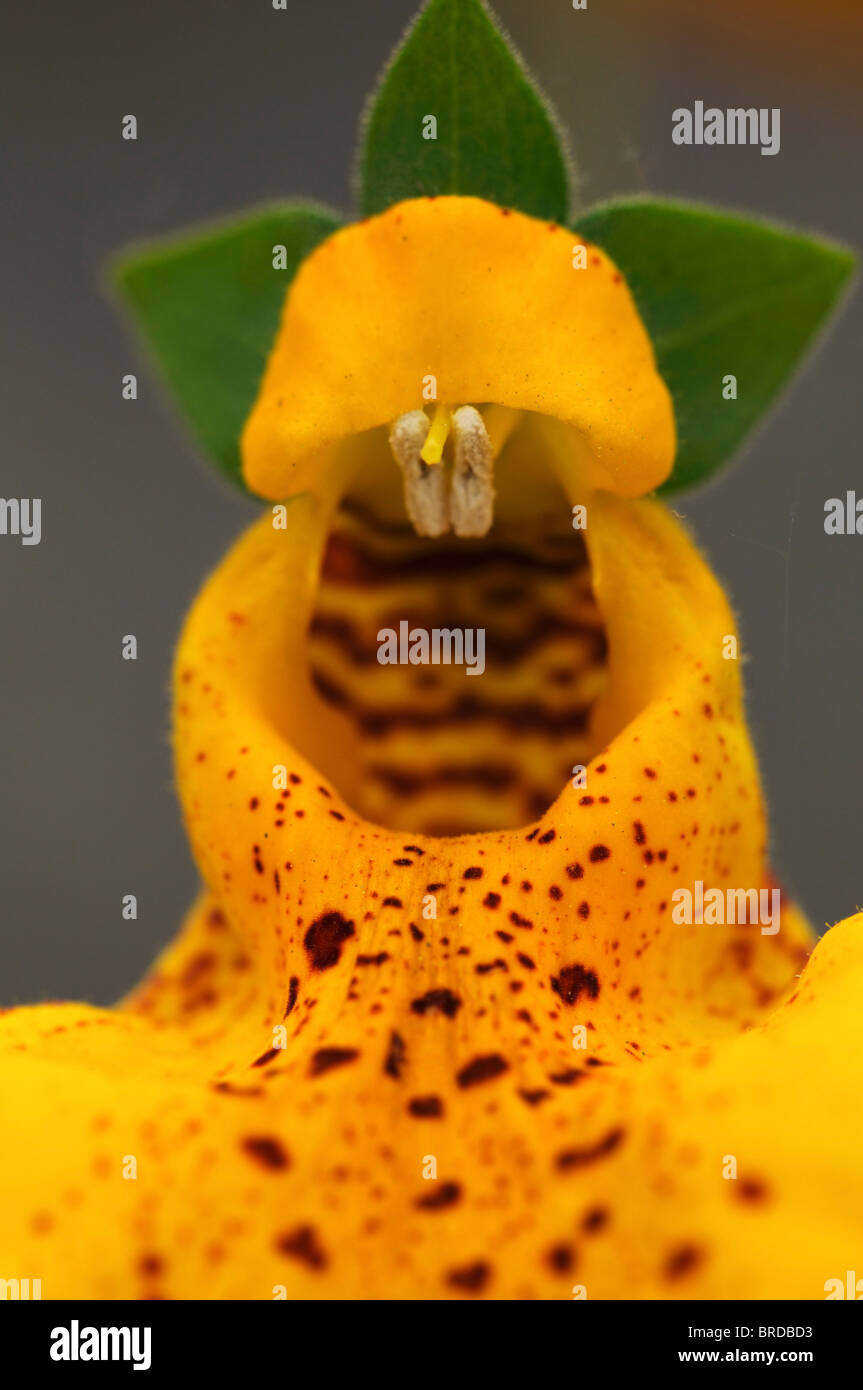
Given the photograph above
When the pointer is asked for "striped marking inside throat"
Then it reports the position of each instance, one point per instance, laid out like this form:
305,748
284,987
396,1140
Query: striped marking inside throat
437,750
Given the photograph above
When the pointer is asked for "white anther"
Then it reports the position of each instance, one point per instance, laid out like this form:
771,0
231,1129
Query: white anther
425,484
472,494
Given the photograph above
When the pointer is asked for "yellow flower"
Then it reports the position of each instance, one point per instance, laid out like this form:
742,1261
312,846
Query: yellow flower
435,1027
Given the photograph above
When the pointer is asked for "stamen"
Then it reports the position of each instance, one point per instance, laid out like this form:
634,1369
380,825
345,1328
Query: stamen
432,451
425,486
472,493
434,502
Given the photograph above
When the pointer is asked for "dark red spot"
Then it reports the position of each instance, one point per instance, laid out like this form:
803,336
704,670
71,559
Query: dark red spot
324,938
226,1088
303,1244
751,1190
446,1195
443,1000
594,1220
326,1058
395,1058
196,967
682,1261
471,1278
568,1159
570,1076
426,1107
266,1057
293,990
266,1151
534,1097
482,1069
561,1258
598,853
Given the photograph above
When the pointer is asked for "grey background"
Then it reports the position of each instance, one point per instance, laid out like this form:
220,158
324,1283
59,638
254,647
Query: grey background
237,103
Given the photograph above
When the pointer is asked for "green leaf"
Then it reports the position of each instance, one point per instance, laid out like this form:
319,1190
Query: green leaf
720,295
208,305
496,138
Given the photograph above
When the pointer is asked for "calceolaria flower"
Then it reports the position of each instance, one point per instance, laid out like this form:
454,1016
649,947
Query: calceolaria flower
489,990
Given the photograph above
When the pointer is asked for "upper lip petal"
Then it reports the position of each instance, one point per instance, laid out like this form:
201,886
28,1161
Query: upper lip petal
484,303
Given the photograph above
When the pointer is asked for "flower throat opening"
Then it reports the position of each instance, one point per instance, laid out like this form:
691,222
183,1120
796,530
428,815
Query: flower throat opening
463,671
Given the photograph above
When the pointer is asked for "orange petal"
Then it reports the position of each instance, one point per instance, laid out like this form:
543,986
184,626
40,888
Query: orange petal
485,301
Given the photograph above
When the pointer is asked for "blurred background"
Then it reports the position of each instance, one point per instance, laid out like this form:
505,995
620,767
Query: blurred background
238,103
